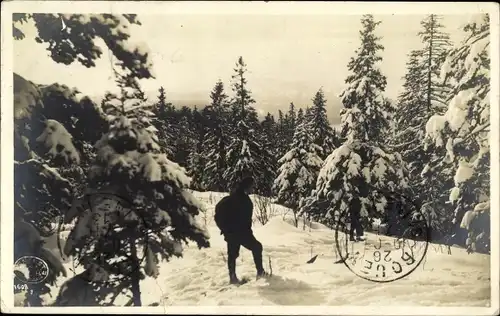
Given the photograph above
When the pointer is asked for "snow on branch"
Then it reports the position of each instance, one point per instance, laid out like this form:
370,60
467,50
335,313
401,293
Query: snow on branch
59,141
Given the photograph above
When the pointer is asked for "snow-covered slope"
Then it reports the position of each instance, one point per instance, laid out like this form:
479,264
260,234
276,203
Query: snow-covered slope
200,277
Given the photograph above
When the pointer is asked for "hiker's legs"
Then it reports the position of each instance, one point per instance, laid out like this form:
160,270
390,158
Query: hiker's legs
355,226
351,231
359,229
233,251
255,246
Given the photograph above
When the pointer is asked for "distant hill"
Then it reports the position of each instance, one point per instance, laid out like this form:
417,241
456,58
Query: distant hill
271,105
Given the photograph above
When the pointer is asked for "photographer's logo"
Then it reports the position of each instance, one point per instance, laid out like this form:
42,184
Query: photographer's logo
30,270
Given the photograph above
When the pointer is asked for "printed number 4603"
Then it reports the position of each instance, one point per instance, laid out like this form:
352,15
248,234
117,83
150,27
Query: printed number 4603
20,287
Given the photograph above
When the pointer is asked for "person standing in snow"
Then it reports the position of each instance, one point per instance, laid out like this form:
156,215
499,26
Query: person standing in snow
355,216
233,215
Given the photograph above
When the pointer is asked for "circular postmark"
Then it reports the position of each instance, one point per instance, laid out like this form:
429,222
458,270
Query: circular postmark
30,270
114,243
383,258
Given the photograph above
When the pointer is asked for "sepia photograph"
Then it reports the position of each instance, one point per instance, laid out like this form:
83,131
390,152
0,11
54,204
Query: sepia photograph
250,158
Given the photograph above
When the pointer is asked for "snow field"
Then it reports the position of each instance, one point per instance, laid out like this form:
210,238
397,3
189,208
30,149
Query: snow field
200,277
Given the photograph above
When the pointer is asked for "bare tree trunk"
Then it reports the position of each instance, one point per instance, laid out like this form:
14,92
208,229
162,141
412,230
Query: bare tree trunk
270,267
136,291
295,219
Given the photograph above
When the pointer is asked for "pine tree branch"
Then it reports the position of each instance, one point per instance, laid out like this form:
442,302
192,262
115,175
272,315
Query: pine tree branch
477,130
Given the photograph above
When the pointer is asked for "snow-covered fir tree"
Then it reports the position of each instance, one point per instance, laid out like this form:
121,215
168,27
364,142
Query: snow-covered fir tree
436,46
269,132
267,163
59,118
291,123
43,160
41,193
51,159
308,112
196,159
424,95
298,170
424,92
281,132
361,168
185,137
252,118
459,138
411,116
165,123
363,100
389,107
247,155
323,134
241,159
242,99
162,98
217,139
155,211
300,116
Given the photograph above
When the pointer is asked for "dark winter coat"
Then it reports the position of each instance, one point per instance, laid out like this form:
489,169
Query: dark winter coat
238,219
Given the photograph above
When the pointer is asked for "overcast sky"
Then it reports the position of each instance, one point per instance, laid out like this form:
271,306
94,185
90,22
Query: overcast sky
289,57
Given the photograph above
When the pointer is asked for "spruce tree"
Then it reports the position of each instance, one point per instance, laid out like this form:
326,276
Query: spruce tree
459,139
409,123
243,142
300,116
436,46
152,196
162,99
217,139
41,193
184,139
269,130
363,100
49,179
197,161
247,154
164,123
308,112
52,153
323,134
360,170
242,99
298,170
424,95
282,144
267,160
411,110
291,124
242,156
